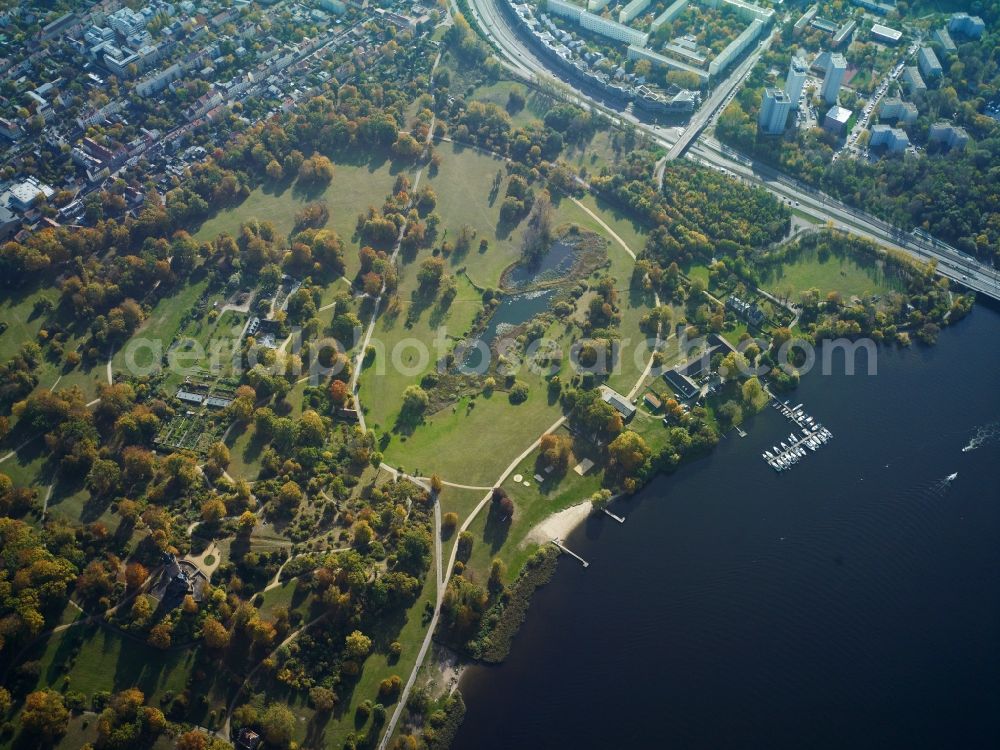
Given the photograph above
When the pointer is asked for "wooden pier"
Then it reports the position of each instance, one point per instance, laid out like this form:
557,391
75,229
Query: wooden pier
571,553
607,512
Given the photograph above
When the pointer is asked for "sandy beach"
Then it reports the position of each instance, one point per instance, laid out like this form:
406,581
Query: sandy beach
559,525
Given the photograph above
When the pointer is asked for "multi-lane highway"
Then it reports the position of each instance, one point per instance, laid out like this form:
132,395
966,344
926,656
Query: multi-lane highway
517,57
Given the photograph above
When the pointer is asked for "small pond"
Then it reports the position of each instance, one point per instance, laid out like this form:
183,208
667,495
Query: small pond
512,312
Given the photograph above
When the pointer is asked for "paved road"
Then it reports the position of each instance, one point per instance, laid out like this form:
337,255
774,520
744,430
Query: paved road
721,96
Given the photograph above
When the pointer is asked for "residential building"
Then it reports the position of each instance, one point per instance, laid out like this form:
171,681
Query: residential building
796,80
833,78
914,81
638,52
632,10
565,9
674,100
886,34
966,25
893,140
950,135
844,34
774,111
928,63
894,108
883,9
668,15
736,47
612,29
22,195
942,37
836,120
596,6
804,20
746,11
9,223
127,21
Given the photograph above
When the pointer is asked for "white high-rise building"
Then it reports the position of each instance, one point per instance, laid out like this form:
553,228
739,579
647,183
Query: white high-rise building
774,109
796,80
834,76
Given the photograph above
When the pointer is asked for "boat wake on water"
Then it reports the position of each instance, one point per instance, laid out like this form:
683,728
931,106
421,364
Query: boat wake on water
941,486
984,435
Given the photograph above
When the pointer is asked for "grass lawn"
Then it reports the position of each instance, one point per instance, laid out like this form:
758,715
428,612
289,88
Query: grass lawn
828,272
27,467
17,310
23,324
460,501
463,186
160,328
291,594
397,364
244,452
408,628
105,660
493,432
355,186
532,505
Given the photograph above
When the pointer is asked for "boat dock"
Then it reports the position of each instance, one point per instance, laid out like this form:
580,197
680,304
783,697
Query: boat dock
810,437
619,519
571,553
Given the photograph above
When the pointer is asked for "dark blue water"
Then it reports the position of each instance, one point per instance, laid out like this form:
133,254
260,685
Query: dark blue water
513,310
557,262
853,602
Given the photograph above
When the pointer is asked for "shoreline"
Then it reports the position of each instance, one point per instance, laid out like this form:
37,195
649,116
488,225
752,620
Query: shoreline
560,524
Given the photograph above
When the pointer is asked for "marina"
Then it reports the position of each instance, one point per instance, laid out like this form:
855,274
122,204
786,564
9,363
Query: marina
810,437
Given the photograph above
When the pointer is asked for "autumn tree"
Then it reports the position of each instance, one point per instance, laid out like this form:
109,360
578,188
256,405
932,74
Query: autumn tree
628,453
215,634
555,451
323,699
45,715
357,645
135,575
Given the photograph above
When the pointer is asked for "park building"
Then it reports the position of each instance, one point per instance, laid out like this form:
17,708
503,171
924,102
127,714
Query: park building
796,80
928,62
966,25
834,77
894,108
774,109
893,140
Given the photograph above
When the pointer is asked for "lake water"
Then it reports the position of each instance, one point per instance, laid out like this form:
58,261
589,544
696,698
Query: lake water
556,263
853,602
513,310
